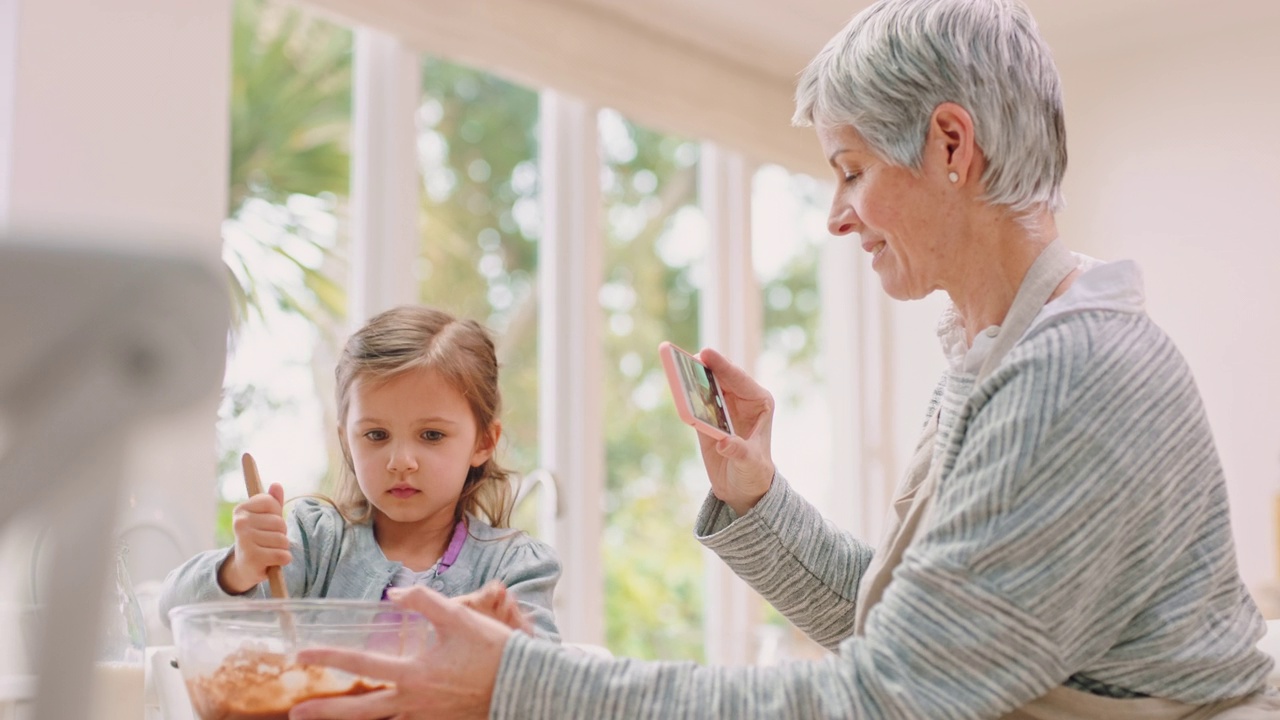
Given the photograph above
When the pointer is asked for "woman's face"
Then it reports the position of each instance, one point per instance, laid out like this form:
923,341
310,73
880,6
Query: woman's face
900,215
412,439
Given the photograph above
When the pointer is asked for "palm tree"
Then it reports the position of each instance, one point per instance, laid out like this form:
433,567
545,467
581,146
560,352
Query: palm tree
283,239
290,131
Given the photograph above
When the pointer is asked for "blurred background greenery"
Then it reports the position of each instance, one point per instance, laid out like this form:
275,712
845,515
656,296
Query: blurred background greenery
286,247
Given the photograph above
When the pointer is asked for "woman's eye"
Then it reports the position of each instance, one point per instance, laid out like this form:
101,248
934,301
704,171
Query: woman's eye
376,435
852,176
433,435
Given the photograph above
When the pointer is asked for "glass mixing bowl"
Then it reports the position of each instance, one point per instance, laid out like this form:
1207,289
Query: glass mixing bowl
237,656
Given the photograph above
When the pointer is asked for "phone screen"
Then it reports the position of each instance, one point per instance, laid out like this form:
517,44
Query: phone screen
698,390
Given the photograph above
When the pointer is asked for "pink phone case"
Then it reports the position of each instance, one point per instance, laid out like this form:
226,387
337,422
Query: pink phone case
698,404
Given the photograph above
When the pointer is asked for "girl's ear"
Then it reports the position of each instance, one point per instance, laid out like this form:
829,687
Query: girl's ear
486,444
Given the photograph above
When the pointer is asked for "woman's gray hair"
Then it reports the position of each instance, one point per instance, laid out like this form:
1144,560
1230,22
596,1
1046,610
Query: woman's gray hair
894,63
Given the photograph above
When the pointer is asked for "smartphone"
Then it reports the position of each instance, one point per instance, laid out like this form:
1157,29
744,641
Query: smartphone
699,401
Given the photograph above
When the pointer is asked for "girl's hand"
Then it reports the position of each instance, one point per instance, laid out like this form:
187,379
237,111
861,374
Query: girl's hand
494,601
262,541
740,466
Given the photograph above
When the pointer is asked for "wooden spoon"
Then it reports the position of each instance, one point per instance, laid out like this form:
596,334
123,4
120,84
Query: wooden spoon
253,484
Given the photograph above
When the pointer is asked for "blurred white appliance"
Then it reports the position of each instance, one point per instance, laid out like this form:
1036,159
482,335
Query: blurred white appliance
91,340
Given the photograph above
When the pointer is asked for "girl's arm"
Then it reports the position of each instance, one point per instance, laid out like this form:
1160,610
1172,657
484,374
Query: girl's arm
530,572
196,580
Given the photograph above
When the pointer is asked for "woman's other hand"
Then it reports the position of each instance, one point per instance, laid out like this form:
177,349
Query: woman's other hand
740,466
262,541
494,601
452,678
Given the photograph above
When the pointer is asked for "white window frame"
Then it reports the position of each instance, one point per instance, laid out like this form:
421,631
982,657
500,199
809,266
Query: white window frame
731,321
385,190
385,179
385,245
570,356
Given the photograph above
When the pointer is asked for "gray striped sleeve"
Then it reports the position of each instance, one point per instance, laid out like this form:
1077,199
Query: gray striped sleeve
1080,527
801,563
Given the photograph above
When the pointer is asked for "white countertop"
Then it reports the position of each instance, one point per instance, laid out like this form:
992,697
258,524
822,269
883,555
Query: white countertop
165,687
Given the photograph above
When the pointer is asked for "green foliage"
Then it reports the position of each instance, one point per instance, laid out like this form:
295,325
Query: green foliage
290,105
653,568
791,319
288,179
291,109
290,136
223,535
477,259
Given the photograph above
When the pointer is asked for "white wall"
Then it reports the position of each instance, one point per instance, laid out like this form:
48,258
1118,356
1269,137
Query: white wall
114,131
1175,162
917,366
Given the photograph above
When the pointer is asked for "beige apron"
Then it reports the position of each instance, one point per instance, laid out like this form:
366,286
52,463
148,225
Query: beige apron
911,502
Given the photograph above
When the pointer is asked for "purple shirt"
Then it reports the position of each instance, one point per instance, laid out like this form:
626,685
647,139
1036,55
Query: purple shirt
405,577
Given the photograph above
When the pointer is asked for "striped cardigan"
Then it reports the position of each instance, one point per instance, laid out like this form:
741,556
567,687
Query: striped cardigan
1080,528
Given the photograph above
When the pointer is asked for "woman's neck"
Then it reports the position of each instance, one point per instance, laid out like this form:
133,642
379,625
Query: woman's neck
993,267
418,545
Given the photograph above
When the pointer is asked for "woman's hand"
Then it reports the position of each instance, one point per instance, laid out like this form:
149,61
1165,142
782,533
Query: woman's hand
740,467
453,678
262,541
494,601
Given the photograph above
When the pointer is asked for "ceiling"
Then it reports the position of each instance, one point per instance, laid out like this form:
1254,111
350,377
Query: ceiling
724,70
777,37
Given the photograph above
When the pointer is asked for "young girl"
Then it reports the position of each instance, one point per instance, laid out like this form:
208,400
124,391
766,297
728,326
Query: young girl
423,501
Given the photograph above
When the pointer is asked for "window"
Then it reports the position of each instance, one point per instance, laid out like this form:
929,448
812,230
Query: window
284,243
654,479
477,255
477,146
788,227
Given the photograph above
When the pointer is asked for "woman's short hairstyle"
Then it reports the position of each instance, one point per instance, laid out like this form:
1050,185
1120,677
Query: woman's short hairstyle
894,63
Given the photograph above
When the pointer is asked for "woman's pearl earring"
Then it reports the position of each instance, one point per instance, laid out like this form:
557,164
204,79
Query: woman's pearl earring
953,176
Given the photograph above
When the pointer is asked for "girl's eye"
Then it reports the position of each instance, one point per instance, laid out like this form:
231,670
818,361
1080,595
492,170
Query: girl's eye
376,435
433,435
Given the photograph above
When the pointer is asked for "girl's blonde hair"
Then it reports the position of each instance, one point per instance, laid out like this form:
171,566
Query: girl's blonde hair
413,337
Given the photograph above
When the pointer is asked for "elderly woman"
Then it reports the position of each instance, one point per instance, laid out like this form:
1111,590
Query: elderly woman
1060,547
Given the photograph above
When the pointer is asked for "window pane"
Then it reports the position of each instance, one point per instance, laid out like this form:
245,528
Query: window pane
477,148
655,481
788,221
283,241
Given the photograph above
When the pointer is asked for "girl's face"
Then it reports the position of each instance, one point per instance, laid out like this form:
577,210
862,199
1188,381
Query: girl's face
412,439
